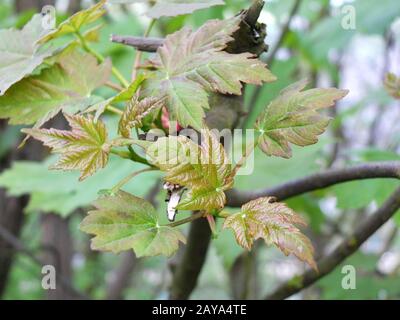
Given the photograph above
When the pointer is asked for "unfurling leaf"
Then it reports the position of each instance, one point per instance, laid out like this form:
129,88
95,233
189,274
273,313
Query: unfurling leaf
84,148
135,112
190,65
123,222
66,86
293,118
204,170
75,23
20,55
276,224
392,85
171,8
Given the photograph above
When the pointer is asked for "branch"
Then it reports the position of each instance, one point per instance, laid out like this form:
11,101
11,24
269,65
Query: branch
250,17
345,249
386,169
194,256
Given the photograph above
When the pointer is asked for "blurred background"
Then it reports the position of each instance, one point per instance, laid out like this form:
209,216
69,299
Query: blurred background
43,208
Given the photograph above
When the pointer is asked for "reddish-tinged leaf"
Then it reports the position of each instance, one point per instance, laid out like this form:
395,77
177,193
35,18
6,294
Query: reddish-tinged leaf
275,223
84,148
190,65
204,170
293,118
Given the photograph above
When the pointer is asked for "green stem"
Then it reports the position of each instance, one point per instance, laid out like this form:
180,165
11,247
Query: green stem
193,217
132,155
242,161
139,53
115,110
100,58
129,178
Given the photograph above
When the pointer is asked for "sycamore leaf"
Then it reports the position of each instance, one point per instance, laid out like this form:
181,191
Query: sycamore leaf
275,223
135,112
190,65
204,170
20,55
67,86
171,8
84,148
293,118
75,23
123,222
392,85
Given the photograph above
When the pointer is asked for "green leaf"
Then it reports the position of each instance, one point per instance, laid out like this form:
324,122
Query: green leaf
75,23
123,221
19,52
135,112
392,85
190,65
171,8
275,223
84,148
66,86
293,118
205,170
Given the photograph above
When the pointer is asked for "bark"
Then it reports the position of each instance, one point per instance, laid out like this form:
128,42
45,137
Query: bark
372,170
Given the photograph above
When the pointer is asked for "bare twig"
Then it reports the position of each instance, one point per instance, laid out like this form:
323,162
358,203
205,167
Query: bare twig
345,249
386,169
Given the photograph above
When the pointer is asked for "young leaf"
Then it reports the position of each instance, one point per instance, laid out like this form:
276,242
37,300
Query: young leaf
84,148
123,222
392,85
293,118
205,170
20,55
275,223
190,65
75,23
172,8
135,112
67,86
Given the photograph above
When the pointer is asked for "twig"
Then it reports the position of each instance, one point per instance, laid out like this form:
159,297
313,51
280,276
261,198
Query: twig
140,43
345,249
372,170
139,53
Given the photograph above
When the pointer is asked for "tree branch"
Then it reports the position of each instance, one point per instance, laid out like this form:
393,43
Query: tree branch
345,249
386,169
186,274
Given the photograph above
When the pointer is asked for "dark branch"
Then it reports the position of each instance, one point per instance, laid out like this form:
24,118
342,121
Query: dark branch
317,181
345,249
194,256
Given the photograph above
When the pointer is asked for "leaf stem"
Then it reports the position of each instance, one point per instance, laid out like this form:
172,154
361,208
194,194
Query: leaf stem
242,161
193,217
132,155
128,178
115,110
140,53
100,58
